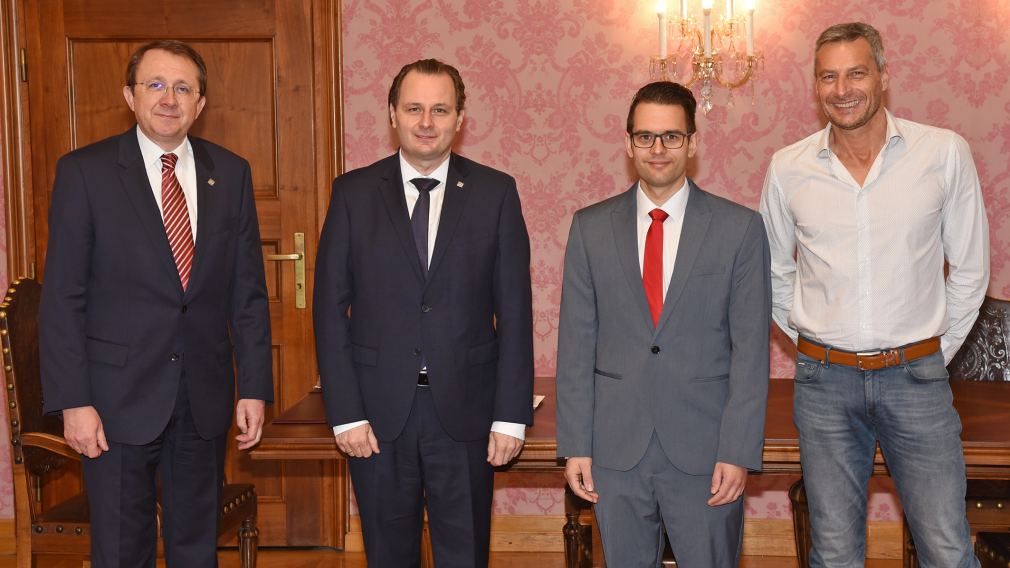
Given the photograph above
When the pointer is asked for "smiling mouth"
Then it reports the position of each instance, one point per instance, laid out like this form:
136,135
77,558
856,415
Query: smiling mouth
846,105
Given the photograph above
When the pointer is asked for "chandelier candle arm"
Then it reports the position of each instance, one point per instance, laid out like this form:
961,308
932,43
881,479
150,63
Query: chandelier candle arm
750,29
707,32
661,14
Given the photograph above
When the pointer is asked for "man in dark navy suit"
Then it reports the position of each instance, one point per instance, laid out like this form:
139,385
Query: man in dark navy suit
424,329
153,282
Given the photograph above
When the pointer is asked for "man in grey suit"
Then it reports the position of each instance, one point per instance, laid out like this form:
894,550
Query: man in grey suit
663,351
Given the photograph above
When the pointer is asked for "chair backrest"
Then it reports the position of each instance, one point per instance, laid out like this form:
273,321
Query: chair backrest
19,334
985,355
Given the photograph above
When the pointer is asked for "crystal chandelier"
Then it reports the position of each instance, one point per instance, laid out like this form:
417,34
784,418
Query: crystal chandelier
718,52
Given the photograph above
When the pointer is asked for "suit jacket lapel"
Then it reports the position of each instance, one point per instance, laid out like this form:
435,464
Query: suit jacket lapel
391,189
140,194
204,207
453,203
625,229
697,217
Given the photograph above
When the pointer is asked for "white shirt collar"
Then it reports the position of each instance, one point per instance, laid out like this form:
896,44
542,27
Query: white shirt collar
893,134
675,206
152,152
408,172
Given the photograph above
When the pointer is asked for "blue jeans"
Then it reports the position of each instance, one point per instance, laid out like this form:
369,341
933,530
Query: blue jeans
841,413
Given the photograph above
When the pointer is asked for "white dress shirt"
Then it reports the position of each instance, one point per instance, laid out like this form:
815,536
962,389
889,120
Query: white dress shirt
185,172
675,207
411,193
869,261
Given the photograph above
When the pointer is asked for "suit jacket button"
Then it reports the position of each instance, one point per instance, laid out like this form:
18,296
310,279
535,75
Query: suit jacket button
417,351
173,357
425,308
655,349
184,308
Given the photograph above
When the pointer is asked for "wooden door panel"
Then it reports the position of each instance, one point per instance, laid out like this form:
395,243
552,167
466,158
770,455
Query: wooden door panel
264,102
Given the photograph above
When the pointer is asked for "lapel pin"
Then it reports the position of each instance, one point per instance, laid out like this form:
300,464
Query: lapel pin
211,182
459,184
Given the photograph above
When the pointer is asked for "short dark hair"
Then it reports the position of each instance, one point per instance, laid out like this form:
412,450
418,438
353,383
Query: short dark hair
174,47
429,67
851,32
665,93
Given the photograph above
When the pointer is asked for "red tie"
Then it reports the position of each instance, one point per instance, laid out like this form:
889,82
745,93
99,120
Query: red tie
176,216
652,268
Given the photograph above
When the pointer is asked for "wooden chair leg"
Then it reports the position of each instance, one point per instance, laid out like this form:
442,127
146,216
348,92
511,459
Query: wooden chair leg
909,559
801,522
248,542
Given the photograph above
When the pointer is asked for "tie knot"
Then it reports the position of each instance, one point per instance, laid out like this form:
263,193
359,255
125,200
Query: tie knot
168,161
424,185
658,215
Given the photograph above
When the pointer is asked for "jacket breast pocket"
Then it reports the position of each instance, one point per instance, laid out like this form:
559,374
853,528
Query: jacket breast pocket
707,269
101,351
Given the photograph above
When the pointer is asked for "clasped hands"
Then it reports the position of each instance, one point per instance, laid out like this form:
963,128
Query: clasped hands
360,442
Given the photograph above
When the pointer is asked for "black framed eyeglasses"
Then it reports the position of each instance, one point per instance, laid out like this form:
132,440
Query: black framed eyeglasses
671,140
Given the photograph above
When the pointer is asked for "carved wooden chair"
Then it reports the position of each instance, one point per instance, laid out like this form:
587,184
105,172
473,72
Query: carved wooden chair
984,356
993,549
48,524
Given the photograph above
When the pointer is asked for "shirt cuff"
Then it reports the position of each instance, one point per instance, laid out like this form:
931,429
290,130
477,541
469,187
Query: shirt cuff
341,428
509,429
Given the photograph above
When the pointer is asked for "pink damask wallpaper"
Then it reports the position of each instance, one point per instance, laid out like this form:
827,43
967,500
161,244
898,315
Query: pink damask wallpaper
548,87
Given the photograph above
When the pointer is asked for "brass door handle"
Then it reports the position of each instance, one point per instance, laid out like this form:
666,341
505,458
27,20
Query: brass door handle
299,257
293,256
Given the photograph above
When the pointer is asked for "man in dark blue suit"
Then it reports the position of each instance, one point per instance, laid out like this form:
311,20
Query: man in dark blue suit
423,324
153,282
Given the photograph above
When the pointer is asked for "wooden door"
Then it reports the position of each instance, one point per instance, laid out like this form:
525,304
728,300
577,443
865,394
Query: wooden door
271,98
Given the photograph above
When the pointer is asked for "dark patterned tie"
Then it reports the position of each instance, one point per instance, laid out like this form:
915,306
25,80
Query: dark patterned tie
652,267
419,219
176,217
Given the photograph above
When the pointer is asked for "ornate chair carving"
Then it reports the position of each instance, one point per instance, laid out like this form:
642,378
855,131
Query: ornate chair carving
984,356
47,524
993,549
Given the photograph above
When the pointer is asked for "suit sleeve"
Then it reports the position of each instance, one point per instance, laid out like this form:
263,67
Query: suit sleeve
332,299
741,433
513,305
249,314
63,358
577,336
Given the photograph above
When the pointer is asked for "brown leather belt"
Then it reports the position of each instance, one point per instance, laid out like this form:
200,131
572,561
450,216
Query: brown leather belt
869,360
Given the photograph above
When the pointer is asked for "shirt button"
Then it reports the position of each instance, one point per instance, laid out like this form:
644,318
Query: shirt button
173,357
425,308
655,349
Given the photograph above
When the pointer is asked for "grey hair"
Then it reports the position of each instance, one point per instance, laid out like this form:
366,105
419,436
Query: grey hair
851,32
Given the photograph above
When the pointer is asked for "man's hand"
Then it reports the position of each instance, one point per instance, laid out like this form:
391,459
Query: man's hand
502,448
358,442
249,416
579,473
82,428
728,482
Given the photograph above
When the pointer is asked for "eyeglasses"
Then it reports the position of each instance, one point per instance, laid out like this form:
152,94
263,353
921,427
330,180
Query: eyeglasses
671,140
160,87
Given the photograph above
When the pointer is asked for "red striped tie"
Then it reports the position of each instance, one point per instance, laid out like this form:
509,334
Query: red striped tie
176,215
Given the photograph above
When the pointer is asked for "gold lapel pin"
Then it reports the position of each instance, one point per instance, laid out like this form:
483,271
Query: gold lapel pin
211,182
459,184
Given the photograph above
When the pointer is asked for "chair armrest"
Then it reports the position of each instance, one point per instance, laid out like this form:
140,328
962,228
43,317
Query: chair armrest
50,443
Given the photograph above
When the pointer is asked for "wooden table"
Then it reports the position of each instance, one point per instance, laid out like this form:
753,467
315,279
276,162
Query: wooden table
301,433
